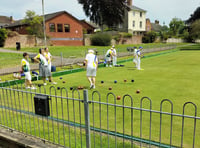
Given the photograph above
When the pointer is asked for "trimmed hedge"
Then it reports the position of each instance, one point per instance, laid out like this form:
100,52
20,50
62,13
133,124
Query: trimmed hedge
101,39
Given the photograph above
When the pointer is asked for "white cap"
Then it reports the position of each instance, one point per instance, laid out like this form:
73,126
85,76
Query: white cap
90,51
113,46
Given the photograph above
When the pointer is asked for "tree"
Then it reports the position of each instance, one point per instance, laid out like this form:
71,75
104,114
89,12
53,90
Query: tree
3,36
35,23
195,16
175,26
108,12
195,30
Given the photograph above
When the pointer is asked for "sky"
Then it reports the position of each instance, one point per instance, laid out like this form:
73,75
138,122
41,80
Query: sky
162,10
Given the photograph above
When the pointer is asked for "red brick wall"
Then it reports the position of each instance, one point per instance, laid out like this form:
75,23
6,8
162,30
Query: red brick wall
67,43
76,31
148,25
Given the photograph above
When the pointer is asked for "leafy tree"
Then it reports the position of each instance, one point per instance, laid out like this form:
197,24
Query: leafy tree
108,12
35,23
195,30
195,16
175,26
3,36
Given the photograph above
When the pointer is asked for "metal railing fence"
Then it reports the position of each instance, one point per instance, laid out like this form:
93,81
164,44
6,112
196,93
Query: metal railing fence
94,120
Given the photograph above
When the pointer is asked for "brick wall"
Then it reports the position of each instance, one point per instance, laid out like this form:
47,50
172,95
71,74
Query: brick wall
25,41
148,25
133,40
74,37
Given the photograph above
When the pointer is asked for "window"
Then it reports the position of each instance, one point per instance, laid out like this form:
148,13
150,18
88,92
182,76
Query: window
140,14
140,24
59,27
67,28
133,23
52,27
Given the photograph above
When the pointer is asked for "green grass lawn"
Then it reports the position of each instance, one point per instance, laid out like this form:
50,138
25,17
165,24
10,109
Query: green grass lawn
9,59
80,51
173,76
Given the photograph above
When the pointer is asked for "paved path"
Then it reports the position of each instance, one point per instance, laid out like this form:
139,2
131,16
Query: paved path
58,61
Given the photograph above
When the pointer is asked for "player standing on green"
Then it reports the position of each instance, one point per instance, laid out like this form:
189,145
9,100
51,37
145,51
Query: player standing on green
26,69
114,55
44,70
91,62
138,58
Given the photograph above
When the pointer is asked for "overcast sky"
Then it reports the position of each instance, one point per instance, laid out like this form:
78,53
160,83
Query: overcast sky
162,10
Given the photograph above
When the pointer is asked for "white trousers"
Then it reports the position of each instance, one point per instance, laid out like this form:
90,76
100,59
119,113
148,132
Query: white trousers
137,62
114,60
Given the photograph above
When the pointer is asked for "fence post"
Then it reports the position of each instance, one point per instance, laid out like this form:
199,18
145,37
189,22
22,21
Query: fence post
87,118
61,55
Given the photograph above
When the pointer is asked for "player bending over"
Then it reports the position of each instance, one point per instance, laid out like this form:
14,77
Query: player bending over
108,57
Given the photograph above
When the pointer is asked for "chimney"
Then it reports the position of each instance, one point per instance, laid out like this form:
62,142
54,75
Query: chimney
11,19
156,22
129,2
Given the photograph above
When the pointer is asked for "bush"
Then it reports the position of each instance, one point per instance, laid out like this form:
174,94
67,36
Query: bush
127,35
3,36
150,37
101,39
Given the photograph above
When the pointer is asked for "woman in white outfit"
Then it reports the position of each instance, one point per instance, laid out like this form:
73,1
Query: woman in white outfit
49,57
26,69
91,62
114,55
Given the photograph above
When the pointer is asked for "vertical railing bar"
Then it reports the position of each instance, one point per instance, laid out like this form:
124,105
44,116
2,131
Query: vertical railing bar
80,122
28,111
16,108
2,108
24,109
33,112
7,105
74,117
99,96
87,118
12,109
63,114
52,113
5,108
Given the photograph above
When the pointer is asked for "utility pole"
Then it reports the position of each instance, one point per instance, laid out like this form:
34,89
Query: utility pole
44,28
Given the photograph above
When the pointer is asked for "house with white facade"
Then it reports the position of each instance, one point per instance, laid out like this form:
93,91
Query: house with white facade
134,20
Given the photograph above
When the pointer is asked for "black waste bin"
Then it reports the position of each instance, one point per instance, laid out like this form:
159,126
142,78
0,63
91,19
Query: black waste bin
41,103
18,46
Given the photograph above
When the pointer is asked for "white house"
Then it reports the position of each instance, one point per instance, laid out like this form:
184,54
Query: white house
136,20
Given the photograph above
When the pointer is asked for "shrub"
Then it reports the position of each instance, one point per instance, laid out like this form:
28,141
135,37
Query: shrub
127,35
150,37
101,39
3,36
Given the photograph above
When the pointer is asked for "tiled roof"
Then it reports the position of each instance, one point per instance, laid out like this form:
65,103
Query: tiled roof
93,25
4,19
156,27
47,18
136,8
